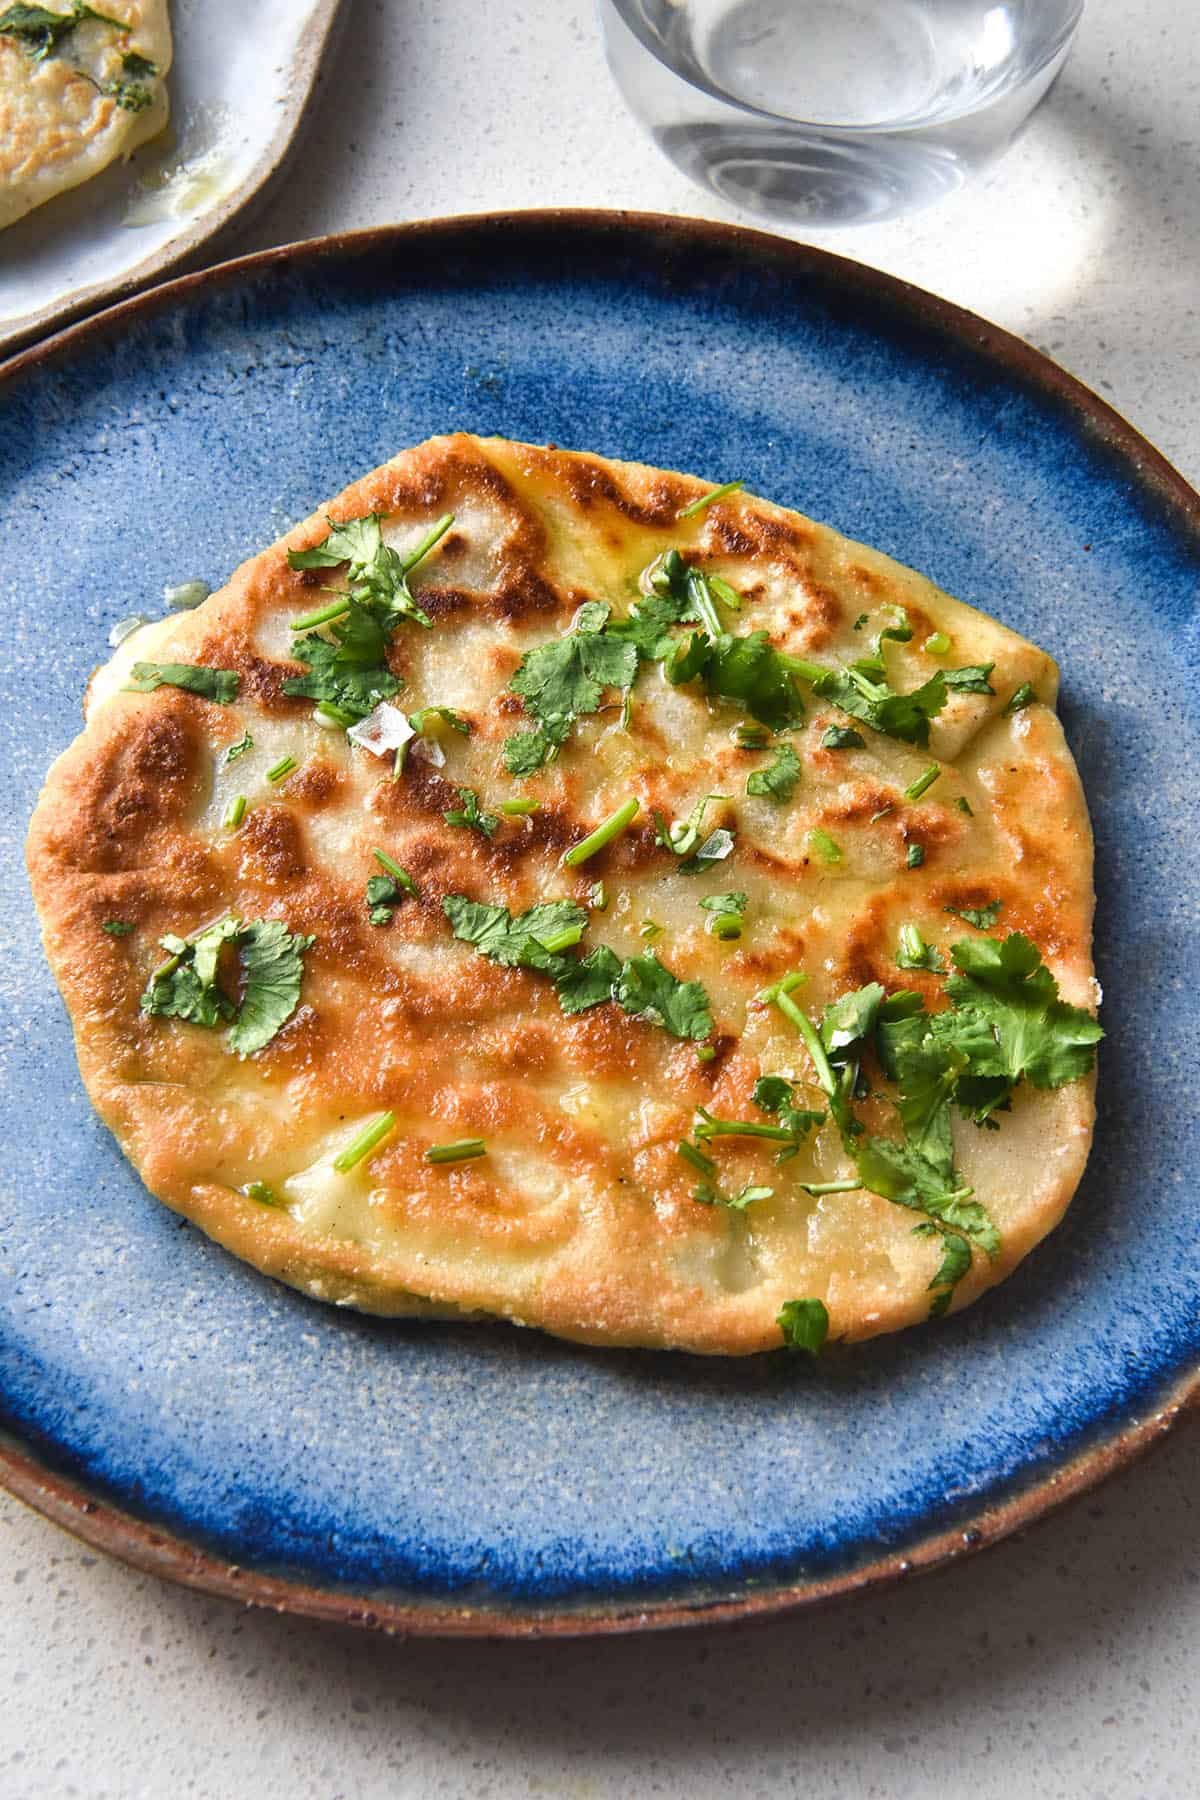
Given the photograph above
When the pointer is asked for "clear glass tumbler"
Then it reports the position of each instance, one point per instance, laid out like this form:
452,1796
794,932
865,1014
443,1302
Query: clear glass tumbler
834,112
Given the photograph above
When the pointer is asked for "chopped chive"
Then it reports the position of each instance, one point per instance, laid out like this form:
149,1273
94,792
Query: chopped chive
924,781
915,857
728,596
604,833
397,873
824,845
787,985
912,945
726,925
322,616
598,897
283,767
1022,696
812,1041
362,1145
881,814
817,1188
964,806
705,1052
461,1150
263,1192
718,493
703,1165
709,1127
703,605
751,737
116,927
235,812
937,644
337,715
432,536
808,671
518,809
861,621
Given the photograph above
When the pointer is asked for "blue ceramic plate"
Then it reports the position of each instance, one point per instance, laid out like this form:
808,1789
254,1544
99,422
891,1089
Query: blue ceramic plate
173,1405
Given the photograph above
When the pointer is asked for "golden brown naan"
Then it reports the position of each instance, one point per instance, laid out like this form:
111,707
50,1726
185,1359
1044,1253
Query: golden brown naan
581,1218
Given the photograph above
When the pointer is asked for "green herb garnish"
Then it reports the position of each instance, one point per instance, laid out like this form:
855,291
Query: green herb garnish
282,769
727,913
805,1325
843,737
778,781
461,1150
42,31
923,783
244,743
362,1144
186,985
1020,697
564,679
400,876
382,898
825,847
117,928
469,815
981,917
717,493
220,685
604,833
235,812
914,856
377,575
915,953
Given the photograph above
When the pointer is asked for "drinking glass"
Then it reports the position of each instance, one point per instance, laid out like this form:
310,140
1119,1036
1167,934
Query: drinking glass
834,112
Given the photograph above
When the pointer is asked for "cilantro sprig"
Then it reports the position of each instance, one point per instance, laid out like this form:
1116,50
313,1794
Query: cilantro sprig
220,685
538,939
563,680
42,31
187,985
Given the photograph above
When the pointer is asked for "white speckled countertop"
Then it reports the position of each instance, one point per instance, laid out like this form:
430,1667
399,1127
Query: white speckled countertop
1060,1665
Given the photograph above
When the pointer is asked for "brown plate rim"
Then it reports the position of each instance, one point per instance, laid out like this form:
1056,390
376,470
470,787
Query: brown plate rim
68,1503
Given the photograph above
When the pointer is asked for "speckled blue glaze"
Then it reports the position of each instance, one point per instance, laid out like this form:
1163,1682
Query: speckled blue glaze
490,1464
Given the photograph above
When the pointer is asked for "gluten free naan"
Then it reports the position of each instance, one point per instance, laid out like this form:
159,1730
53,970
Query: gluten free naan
523,817
80,86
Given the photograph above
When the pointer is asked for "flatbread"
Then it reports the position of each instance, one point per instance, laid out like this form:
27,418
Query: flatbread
67,114
581,1217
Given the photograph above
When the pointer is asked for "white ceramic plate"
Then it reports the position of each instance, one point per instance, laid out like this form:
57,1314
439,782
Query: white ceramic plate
240,80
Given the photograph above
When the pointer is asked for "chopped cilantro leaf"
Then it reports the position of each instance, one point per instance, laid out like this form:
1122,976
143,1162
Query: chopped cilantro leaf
1036,1034
843,737
272,969
377,574
382,898
526,751
561,680
470,816
805,1325
117,928
964,806
589,981
220,685
649,990
955,1263
186,985
972,680
982,917
778,781
1020,697
42,31
138,66
244,743
516,942
708,1195
350,672
744,669
914,856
